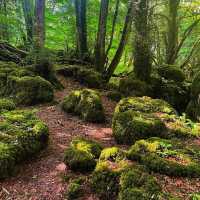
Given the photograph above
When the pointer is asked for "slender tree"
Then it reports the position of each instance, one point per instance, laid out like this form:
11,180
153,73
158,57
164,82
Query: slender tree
27,6
125,33
142,53
81,26
100,54
39,24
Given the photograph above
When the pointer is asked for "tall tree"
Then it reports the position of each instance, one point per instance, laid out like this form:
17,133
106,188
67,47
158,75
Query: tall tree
142,53
39,24
27,6
172,33
125,33
81,26
100,54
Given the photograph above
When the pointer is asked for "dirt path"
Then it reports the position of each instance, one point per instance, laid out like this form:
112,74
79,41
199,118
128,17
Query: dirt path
40,179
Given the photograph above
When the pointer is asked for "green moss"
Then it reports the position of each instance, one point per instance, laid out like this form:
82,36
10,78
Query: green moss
164,156
195,196
171,72
112,154
90,77
85,103
132,87
88,146
79,160
81,154
130,126
7,104
144,104
30,90
3,82
22,136
135,184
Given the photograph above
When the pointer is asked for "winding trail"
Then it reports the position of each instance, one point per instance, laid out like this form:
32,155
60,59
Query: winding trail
41,177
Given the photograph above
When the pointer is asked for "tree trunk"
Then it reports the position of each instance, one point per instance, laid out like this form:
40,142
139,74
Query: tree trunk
100,54
81,26
27,6
3,26
127,25
39,24
172,34
142,54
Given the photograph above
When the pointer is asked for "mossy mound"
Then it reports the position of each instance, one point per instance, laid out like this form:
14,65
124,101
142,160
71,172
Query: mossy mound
135,118
171,72
130,126
68,71
22,135
6,104
165,157
86,103
193,108
135,185
90,78
144,104
82,154
114,95
133,87
30,90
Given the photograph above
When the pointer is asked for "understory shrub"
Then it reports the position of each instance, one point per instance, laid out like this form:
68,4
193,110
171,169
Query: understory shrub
86,103
82,154
7,104
22,135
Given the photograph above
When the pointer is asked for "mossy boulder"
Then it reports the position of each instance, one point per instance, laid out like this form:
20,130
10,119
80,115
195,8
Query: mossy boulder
133,87
135,184
22,135
90,77
130,126
30,90
114,95
7,104
86,103
68,71
135,118
171,72
82,154
165,157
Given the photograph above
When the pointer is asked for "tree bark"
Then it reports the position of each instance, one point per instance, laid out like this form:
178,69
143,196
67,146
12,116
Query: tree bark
172,33
100,55
81,26
127,26
27,6
142,54
39,24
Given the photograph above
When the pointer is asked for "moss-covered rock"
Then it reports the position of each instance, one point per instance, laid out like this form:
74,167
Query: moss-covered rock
171,72
132,87
30,90
82,154
22,136
68,71
90,77
135,184
114,95
7,104
130,126
86,103
165,157
144,104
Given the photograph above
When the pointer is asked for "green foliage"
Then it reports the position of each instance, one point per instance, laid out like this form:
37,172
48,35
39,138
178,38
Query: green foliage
86,103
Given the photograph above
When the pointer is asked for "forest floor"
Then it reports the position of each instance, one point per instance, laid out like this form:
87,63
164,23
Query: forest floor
42,178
